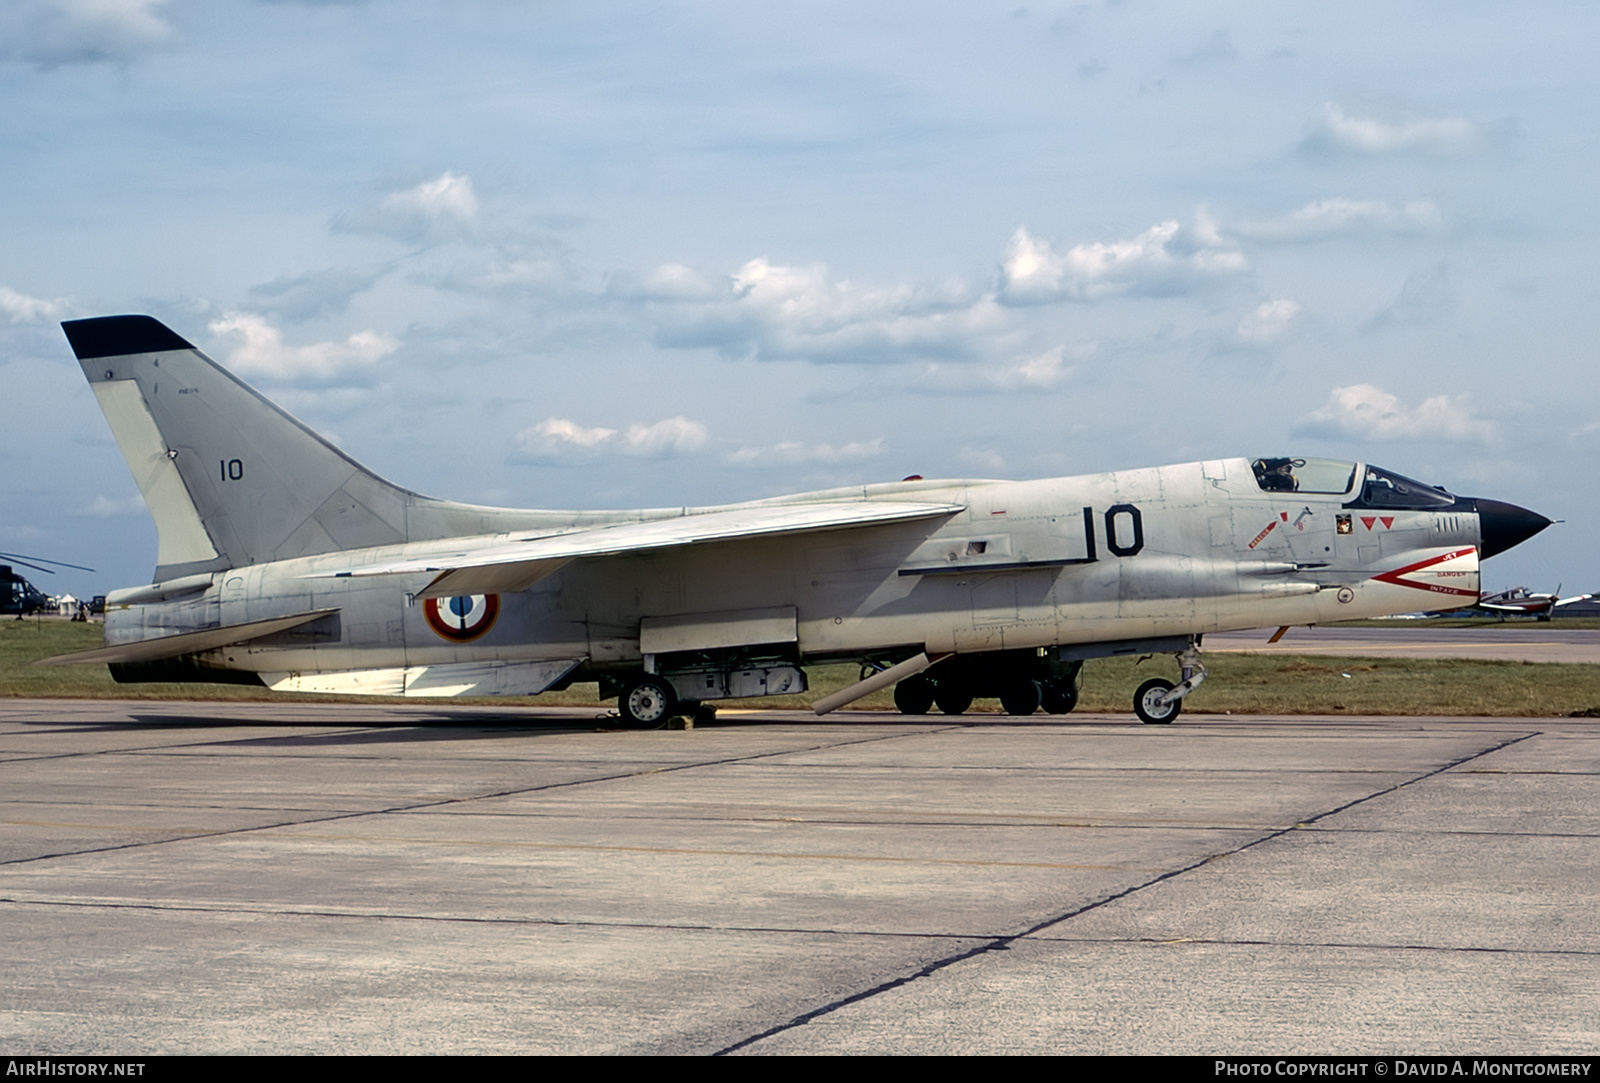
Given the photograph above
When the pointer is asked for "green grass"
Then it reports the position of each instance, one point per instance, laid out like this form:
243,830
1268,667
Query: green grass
1238,683
1528,623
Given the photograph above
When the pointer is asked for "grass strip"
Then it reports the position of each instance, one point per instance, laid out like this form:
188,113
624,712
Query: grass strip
1243,684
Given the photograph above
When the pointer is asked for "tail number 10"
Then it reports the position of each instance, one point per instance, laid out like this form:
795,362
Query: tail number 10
231,469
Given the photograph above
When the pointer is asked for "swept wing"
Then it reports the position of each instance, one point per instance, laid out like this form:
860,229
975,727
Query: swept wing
504,567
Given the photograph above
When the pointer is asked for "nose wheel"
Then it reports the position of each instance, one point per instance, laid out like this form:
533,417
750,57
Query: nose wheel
1153,705
1158,702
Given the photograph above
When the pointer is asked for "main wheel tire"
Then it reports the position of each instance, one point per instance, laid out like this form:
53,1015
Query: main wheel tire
914,695
952,699
647,701
1147,705
1059,697
1021,697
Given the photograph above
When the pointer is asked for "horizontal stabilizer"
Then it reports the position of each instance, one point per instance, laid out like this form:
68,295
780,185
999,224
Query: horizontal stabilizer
517,565
151,650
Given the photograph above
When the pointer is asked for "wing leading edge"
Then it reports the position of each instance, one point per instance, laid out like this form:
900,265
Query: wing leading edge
509,566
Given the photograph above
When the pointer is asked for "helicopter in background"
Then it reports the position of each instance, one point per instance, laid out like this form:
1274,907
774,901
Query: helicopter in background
18,596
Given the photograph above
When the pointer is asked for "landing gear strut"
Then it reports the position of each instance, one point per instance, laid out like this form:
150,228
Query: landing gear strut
1157,702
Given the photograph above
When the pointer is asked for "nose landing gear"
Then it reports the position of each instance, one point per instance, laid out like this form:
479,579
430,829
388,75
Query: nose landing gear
1158,702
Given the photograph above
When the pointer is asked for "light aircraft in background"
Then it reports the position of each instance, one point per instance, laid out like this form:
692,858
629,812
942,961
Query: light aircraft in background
283,562
1521,602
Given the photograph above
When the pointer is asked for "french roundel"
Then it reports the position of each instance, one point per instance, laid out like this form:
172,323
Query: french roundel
462,618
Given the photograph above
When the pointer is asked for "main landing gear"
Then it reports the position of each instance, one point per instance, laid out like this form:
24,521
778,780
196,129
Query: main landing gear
1026,681
1023,682
647,701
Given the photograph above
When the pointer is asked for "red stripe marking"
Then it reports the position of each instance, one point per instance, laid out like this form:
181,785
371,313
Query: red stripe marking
1394,577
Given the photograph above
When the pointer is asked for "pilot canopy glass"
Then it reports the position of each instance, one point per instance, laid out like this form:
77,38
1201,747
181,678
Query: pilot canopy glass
1332,476
1386,489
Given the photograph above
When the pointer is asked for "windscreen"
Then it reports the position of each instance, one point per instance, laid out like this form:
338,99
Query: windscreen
1386,489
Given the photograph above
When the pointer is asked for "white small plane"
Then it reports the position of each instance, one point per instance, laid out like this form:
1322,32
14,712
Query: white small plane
283,562
1522,602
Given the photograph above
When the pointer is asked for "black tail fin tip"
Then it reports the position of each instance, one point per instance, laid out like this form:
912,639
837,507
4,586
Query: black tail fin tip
118,336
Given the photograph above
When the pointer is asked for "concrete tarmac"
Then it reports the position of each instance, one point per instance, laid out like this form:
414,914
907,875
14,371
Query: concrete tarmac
264,878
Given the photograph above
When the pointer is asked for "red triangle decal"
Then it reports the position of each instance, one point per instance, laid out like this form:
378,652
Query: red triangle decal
1368,520
1388,521
1284,516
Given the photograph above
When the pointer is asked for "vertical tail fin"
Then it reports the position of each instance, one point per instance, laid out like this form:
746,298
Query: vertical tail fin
229,477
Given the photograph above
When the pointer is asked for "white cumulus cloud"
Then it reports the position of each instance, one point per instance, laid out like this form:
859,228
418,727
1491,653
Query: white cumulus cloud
1165,258
794,452
256,348
56,32
668,282
558,431
670,437
1028,372
559,440
1041,370
1362,411
447,196
445,208
1337,130
774,311
1340,217
20,308
1268,322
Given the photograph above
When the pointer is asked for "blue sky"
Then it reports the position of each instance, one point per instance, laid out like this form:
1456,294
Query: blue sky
596,255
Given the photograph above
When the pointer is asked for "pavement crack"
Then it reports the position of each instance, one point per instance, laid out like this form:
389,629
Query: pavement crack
462,919
1003,943
444,802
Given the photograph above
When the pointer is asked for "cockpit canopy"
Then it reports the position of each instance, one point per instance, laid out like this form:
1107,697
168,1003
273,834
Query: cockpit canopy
1386,489
1304,475
1380,488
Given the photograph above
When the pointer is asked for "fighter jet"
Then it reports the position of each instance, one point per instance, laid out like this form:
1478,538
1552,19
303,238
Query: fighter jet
283,562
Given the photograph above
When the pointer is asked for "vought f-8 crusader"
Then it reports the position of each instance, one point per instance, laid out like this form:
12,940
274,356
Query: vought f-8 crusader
281,561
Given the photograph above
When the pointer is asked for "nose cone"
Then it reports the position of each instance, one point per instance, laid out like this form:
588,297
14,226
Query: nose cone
1504,525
